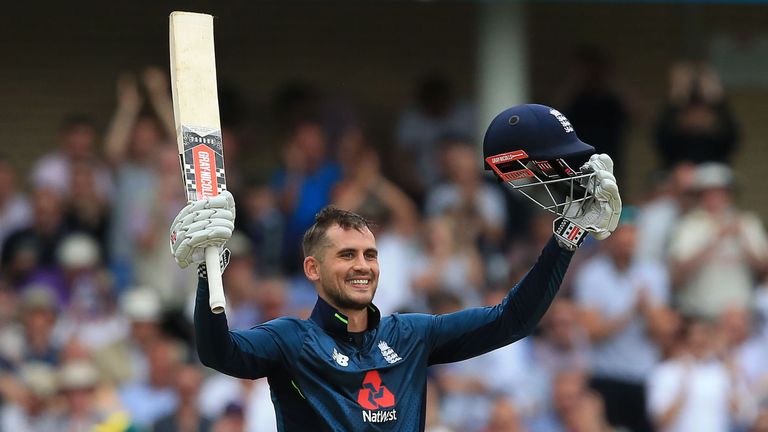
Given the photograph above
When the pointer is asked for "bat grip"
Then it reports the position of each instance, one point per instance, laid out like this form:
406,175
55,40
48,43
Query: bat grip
215,287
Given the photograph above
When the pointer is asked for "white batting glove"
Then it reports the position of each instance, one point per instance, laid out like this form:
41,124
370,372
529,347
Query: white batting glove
598,215
202,224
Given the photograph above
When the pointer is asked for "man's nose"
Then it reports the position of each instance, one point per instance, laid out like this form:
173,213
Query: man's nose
361,263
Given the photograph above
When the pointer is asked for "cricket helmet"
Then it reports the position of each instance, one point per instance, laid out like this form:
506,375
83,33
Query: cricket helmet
534,149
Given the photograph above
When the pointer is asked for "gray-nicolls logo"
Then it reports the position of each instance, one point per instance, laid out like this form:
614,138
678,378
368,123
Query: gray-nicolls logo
562,119
389,354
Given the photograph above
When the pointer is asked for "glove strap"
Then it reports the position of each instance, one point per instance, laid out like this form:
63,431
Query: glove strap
568,234
202,269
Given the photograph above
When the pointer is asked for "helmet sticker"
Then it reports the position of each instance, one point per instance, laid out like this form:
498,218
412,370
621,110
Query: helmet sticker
562,119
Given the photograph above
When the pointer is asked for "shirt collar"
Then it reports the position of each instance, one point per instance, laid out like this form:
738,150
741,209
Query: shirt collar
333,321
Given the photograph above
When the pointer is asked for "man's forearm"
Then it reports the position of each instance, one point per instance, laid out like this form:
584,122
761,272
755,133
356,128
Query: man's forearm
530,299
211,330
479,330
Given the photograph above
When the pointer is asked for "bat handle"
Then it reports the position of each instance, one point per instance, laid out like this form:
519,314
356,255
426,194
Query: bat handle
215,287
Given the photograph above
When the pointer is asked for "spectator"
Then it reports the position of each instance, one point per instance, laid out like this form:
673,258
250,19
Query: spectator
240,280
449,262
31,409
154,398
434,422
125,360
434,114
472,389
232,420
32,249
595,106
134,146
273,299
524,250
623,305
34,339
15,211
693,391
563,343
573,408
366,191
138,147
745,352
219,394
187,417
85,210
478,206
153,267
77,138
697,125
304,185
504,418
89,313
83,282
78,381
261,221
659,216
590,415
718,252
761,422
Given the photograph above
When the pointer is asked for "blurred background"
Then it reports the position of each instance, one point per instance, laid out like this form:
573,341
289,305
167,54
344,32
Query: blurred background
380,108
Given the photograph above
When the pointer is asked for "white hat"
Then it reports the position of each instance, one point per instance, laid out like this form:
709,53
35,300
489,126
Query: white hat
713,175
77,251
39,378
78,374
141,304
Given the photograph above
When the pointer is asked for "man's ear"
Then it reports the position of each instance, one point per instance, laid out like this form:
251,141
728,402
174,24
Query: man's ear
312,268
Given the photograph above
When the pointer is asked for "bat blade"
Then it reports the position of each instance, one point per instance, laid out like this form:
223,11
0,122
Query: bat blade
198,128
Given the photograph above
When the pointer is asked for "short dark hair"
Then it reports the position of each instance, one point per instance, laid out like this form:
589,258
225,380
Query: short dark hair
73,121
315,238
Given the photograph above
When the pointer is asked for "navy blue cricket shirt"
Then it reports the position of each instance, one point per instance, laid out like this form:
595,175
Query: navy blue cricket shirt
322,379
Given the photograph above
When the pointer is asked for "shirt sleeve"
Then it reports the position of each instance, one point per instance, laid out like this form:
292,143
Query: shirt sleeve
663,386
472,332
588,283
249,354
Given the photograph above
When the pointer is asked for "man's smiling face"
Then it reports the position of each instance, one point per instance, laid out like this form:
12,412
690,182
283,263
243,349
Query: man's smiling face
346,268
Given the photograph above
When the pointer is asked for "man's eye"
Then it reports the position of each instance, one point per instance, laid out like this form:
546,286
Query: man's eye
371,256
347,255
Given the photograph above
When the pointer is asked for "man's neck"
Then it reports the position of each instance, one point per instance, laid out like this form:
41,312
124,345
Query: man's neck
358,319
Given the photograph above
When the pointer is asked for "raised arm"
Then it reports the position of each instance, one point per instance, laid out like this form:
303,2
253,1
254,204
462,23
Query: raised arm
128,105
245,354
250,353
472,332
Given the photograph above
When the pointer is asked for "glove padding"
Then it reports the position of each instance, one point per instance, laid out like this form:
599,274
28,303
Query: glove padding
598,215
202,224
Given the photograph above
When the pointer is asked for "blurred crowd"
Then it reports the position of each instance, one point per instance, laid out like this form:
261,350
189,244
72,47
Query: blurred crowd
664,326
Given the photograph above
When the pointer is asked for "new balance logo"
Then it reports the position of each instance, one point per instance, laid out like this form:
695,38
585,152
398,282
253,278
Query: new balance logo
340,358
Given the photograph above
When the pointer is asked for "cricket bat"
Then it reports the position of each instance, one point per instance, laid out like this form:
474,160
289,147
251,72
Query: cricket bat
198,129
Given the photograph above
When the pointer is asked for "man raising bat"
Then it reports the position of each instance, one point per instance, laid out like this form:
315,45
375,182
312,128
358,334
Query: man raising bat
347,368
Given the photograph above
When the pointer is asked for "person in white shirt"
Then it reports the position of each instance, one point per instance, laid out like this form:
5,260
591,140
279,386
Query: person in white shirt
622,303
77,144
659,216
694,390
717,251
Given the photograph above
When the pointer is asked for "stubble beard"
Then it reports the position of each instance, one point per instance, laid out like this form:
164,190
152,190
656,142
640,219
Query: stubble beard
343,301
